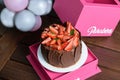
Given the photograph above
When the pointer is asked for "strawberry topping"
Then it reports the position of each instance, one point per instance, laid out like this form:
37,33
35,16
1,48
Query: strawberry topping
61,38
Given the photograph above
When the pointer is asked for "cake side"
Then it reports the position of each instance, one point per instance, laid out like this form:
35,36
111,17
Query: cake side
61,58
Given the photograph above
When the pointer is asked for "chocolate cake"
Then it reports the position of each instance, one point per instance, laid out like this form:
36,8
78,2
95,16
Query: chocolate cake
61,45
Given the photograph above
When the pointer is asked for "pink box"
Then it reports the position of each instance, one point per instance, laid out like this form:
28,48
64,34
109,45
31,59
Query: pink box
90,17
117,1
89,69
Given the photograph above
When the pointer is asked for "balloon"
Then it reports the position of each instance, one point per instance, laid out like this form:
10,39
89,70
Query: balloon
16,5
49,8
25,20
38,23
40,7
7,18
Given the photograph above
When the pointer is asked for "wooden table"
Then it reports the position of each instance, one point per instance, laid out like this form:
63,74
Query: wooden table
14,48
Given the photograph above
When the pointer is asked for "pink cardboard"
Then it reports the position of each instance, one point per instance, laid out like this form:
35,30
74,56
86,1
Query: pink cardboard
90,17
117,1
89,69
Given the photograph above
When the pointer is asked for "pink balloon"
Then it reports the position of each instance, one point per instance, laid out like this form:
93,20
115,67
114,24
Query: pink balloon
38,23
16,5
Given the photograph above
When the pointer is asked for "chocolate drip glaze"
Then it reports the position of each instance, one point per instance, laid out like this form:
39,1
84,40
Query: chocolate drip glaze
61,58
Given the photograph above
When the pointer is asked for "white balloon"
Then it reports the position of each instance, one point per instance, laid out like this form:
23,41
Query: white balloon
40,7
25,20
7,18
49,8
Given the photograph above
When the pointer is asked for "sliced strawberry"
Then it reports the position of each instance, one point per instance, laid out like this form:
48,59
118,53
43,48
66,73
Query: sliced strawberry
47,44
69,46
43,35
56,27
59,47
53,30
61,30
76,41
53,41
54,46
60,36
76,33
71,39
47,40
47,29
69,27
64,45
66,37
51,35
59,42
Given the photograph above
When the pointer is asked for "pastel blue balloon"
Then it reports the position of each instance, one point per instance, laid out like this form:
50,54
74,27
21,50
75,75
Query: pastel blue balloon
25,20
7,18
40,7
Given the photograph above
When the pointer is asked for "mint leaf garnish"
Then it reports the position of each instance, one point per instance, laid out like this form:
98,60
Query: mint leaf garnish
56,39
72,32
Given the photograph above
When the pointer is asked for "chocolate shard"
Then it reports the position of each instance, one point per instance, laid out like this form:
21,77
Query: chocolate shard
77,53
54,58
45,52
67,59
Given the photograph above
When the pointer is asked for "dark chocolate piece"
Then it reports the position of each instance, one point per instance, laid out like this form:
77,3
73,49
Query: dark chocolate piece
54,58
67,59
77,52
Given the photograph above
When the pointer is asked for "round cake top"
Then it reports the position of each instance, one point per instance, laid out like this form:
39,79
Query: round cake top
60,37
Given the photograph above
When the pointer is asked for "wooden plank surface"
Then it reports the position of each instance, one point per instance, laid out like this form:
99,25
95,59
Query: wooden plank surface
107,58
17,71
106,74
2,30
20,53
8,43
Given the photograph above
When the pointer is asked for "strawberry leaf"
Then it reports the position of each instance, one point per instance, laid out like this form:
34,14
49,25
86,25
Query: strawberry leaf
72,32
56,39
